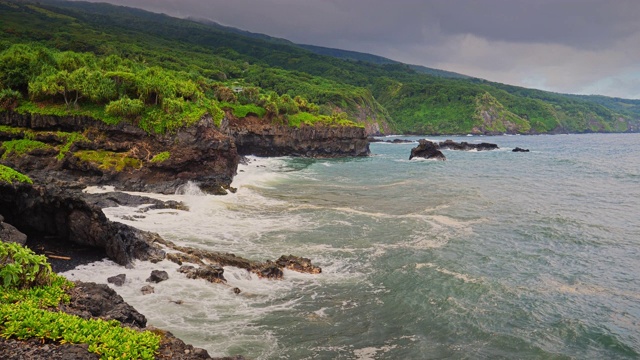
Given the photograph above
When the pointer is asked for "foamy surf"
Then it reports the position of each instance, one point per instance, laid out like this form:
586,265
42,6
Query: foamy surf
207,315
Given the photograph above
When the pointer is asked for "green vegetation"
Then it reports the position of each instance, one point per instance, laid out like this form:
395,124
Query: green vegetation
338,119
108,160
68,140
21,147
28,142
241,111
16,131
11,176
21,268
30,290
161,73
160,157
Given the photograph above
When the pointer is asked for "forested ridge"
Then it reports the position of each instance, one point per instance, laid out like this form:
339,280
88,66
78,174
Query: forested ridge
162,72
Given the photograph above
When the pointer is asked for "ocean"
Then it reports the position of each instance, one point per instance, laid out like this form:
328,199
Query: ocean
487,255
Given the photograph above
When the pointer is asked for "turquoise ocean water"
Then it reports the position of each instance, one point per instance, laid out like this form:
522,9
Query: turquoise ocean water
488,255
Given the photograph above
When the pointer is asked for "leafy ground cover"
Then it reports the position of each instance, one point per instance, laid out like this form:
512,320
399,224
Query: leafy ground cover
30,294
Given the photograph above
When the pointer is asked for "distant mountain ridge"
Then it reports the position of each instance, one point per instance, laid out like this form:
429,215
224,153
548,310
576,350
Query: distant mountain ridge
333,52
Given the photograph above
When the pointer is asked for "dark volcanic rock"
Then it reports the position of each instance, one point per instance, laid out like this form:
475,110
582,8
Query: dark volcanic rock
9,233
158,276
269,270
298,264
517,149
63,214
394,141
260,137
465,146
179,258
147,289
117,280
210,273
116,198
428,150
90,300
35,349
400,141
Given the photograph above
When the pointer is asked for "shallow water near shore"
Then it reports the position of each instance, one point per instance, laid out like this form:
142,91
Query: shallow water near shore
486,255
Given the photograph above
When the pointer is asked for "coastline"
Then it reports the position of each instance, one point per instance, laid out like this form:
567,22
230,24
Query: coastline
69,226
65,257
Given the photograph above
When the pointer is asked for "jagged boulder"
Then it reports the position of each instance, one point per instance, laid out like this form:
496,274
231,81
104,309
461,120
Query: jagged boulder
269,270
158,276
299,264
91,300
428,150
9,233
517,149
117,280
179,258
211,273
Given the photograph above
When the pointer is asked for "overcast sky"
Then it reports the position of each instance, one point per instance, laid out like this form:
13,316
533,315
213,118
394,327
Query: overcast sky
569,46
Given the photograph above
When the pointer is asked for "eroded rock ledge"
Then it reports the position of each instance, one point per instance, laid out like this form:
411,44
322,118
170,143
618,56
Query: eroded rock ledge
200,153
260,137
63,215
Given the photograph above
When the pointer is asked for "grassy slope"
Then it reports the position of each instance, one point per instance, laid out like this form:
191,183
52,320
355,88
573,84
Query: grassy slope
412,101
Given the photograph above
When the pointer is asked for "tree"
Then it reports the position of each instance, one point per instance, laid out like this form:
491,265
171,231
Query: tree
71,61
21,63
80,83
154,84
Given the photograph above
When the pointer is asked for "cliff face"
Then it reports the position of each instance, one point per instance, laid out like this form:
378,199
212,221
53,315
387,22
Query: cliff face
122,155
260,137
62,214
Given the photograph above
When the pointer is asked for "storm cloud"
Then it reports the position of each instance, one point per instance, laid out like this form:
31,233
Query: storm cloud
574,46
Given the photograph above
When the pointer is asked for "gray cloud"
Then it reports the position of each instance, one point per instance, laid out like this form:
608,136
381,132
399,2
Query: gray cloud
577,46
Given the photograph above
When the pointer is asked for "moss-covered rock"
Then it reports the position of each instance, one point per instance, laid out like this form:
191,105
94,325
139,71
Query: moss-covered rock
11,176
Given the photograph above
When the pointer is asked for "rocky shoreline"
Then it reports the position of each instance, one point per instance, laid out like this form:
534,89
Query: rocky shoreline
99,301
56,218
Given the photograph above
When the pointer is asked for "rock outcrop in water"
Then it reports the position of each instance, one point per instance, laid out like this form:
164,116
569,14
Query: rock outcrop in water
428,150
431,150
267,269
465,146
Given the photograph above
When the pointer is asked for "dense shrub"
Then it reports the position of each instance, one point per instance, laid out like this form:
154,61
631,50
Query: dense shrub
125,107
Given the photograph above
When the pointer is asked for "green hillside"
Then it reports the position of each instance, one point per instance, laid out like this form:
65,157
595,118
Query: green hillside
391,97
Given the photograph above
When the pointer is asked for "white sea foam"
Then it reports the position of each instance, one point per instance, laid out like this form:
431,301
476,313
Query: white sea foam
98,189
464,277
370,353
207,315
189,189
